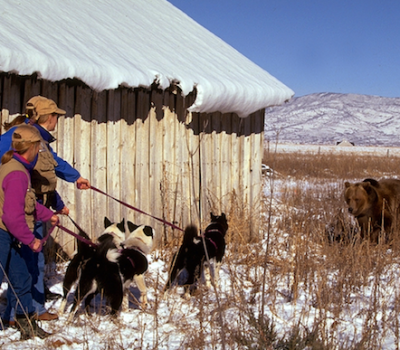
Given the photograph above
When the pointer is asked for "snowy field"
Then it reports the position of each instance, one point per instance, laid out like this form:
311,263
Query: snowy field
245,289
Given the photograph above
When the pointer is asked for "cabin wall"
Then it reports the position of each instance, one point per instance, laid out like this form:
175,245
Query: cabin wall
142,147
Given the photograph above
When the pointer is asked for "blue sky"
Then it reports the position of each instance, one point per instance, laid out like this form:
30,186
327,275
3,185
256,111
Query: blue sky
344,46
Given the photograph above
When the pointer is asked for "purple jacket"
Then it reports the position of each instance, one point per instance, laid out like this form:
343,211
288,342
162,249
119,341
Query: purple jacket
15,186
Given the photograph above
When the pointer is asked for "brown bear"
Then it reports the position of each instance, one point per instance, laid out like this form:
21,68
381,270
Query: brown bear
375,205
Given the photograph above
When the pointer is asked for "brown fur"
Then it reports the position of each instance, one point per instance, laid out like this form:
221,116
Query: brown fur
374,204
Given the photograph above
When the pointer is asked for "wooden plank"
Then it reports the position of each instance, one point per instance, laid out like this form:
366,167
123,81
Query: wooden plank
98,161
49,89
66,97
128,152
64,146
11,93
156,159
142,173
192,135
216,184
205,164
235,159
182,163
246,165
82,151
113,153
193,141
82,155
225,159
168,184
256,177
31,88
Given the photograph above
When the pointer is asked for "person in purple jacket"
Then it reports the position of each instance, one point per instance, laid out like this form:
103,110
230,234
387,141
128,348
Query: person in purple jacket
18,213
43,114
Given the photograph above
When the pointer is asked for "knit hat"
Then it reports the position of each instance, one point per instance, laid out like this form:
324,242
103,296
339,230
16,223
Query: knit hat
26,133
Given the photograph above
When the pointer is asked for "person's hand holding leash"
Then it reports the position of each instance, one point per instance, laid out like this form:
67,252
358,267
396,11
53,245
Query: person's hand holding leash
54,220
83,184
36,245
64,211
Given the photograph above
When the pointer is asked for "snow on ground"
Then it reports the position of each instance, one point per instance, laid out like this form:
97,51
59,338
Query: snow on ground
166,322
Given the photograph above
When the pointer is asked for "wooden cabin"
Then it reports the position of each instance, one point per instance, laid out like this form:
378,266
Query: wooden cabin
174,153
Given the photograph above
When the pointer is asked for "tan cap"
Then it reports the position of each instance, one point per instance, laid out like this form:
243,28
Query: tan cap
45,106
31,104
26,133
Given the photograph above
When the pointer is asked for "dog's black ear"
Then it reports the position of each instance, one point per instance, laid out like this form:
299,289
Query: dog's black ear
212,217
148,231
132,227
107,222
121,225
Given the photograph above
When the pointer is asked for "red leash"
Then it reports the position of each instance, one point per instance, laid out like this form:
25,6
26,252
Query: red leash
84,240
136,209
90,243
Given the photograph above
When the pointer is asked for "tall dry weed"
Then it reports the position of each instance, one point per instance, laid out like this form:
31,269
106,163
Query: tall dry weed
309,203
294,285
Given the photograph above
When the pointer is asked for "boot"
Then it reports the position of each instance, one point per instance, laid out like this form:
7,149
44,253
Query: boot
29,328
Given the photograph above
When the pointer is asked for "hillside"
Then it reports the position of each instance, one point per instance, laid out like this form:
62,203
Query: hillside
327,118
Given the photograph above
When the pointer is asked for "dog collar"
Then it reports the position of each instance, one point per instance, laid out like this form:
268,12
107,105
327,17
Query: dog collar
214,230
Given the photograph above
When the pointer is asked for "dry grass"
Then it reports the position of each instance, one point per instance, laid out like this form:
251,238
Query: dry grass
292,268
333,277
296,266
331,166
292,265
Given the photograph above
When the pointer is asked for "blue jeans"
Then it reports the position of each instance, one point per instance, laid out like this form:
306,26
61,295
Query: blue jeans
14,266
35,265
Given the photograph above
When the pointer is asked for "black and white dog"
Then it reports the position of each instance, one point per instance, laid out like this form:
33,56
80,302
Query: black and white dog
109,267
193,253
85,254
133,262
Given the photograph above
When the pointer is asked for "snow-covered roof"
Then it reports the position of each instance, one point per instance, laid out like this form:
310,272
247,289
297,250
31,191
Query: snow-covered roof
132,43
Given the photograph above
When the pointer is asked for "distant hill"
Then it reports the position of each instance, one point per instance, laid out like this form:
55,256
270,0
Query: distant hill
328,118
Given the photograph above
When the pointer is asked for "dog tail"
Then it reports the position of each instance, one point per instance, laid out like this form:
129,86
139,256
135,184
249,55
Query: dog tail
191,232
